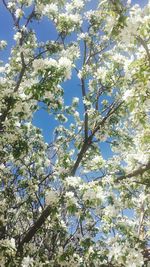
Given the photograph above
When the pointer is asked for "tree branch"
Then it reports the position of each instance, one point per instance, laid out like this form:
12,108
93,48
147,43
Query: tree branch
144,44
31,232
139,171
82,152
87,142
85,109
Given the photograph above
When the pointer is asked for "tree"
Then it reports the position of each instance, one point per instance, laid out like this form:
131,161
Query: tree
67,203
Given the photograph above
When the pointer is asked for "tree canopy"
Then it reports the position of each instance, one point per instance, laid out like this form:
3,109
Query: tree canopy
67,202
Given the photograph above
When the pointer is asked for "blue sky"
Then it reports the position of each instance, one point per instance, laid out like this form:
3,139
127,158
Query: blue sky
45,31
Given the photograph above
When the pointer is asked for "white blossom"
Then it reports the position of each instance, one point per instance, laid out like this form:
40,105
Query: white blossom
134,259
50,9
111,211
18,13
27,262
128,94
41,64
17,36
73,181
3,44
12,243
75,101
101,73
66,64
51,197
11,5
